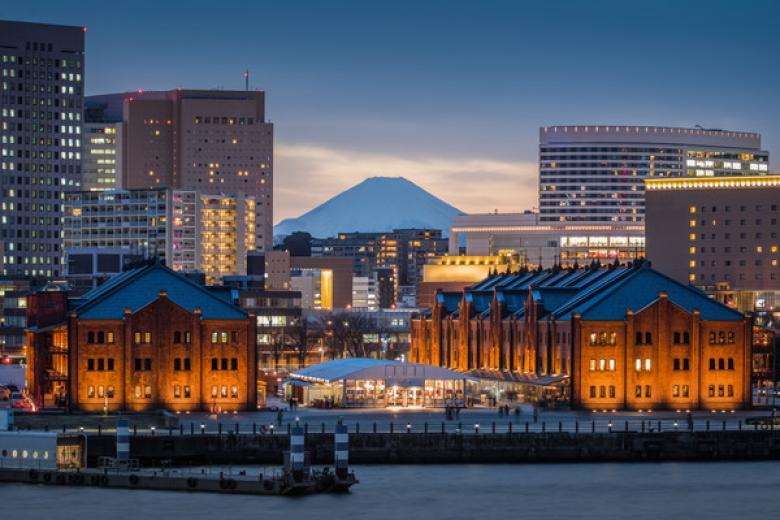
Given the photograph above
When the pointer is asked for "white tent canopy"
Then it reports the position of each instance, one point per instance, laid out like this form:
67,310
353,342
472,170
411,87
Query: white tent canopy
392,372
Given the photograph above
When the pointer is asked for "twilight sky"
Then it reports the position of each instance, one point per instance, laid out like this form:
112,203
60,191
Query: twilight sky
449,94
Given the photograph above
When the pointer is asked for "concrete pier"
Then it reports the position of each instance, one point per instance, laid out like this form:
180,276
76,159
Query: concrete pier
449,448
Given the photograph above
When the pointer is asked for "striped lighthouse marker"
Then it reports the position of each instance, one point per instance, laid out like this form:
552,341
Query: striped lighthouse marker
122,440
297,456
341,451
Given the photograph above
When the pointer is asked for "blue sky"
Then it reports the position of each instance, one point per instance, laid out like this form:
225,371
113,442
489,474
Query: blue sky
448,94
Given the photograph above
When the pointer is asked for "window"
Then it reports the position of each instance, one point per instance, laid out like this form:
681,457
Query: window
137,392
712,363
685,391
233,364
592,365
648,391
649,338
712,336
110,391
138,365
234,392
234,336
602,391
223,336
224,392
187,365
676,391
109,337
638,338
676,364
711,390
147,337
720,391
731,364
677,338
686,338
602,364
730,337
137,337
91,392
90,365
638,391
611,391
101,392
686,365
187,391
612,365
187,336
224,364
177,391
148,364
638,364
214,364
177,336
214,337
721,364
214,391
730,391
177,364
593,391
647,364
110,364
101,337
148,392
90,337
101,364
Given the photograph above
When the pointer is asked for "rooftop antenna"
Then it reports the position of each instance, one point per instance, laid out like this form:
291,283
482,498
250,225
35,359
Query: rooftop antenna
246,80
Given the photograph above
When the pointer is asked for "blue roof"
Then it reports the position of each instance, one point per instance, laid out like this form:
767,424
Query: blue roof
641,289
137,288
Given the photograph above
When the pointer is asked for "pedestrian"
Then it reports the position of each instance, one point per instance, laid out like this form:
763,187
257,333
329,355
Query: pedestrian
690,421
517,411
279,416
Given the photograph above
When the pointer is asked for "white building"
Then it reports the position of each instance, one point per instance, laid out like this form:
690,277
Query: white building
595,174
102,156
365,293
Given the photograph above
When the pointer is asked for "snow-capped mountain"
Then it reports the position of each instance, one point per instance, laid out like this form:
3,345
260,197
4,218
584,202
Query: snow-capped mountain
377,204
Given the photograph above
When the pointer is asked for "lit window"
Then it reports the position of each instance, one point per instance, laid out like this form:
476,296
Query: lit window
647,364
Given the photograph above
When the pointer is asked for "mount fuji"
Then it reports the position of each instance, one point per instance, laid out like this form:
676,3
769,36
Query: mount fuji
375,205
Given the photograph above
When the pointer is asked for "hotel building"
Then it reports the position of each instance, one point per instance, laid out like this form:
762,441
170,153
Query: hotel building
212,141
102,154
595,174
145,340
598,338
719,234
42,75
188,230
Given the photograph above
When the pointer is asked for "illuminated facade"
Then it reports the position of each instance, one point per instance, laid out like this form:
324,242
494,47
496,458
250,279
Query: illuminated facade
102,162
190,231
42,69
148,339
212,141
534,242
609,338
721,235
595,174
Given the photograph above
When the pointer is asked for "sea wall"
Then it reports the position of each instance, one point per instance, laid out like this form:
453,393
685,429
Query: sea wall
449,448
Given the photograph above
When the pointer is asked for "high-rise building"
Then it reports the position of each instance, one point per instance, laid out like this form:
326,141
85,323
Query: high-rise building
102,154
721,235
42,70
213,141
188,230
595,174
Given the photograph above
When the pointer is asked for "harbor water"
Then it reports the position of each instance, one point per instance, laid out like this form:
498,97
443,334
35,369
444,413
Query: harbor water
639,491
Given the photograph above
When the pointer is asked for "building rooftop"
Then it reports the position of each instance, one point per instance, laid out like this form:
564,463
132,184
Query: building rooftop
393,372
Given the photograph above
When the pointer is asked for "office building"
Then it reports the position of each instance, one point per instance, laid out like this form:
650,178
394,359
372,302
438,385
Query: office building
719,234
102,154
534,242
595,174
190,231
621,337
213,141
42,74
149,339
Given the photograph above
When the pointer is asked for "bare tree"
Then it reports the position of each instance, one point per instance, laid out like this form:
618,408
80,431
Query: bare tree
300,337
346,332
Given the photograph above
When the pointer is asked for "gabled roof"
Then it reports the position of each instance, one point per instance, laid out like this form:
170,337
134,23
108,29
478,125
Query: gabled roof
641,289
139,287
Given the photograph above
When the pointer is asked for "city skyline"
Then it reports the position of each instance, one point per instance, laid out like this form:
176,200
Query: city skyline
344,112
